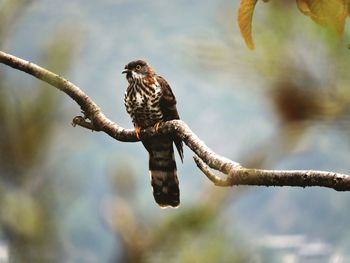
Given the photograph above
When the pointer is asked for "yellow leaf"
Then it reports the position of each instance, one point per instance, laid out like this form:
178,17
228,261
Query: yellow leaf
245,17
327,13
304,7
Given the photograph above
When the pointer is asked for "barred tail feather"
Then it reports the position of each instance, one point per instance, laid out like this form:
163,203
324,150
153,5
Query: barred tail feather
165,188
164,180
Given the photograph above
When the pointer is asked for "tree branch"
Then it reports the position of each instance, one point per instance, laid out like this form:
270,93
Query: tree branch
205,158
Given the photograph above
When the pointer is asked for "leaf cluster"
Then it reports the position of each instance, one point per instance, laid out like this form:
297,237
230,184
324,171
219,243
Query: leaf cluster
331,14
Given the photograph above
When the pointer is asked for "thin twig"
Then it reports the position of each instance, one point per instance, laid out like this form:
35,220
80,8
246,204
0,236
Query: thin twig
205,158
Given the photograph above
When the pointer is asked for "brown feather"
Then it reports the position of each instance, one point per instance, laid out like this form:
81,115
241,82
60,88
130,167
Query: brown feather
149,100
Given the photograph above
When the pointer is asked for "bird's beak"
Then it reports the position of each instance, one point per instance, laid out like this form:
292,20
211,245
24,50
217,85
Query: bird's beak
126,70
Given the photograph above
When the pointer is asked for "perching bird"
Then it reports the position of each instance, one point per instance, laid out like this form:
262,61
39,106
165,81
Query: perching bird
149,101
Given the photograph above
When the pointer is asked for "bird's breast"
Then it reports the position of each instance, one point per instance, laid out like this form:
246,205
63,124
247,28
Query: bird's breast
143,104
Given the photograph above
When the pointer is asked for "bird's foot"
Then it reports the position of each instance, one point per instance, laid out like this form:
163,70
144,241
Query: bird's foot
138,132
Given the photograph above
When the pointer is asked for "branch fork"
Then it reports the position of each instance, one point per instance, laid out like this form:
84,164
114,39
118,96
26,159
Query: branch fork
205,158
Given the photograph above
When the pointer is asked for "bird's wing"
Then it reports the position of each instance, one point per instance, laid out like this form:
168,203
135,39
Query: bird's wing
168,107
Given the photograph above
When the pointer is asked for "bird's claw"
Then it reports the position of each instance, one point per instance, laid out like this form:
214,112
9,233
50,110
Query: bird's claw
138,132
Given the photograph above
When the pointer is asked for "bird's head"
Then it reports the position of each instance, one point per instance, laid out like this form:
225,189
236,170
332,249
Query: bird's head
138,69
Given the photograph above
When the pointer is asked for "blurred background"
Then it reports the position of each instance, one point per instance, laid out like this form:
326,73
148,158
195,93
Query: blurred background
71,195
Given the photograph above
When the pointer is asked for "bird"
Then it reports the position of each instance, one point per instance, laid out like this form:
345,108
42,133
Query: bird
150,101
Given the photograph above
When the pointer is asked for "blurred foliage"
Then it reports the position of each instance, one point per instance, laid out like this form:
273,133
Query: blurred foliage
297,93
327,13
192,234
27,120
302,85
9,13
302,71
28,220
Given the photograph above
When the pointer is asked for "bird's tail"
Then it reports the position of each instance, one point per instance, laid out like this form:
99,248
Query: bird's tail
162,168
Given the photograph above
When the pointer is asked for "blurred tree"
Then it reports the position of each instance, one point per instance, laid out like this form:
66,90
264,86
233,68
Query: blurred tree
303,75
194,234
27,219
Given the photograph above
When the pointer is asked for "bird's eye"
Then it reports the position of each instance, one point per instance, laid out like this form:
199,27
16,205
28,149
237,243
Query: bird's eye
138,67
